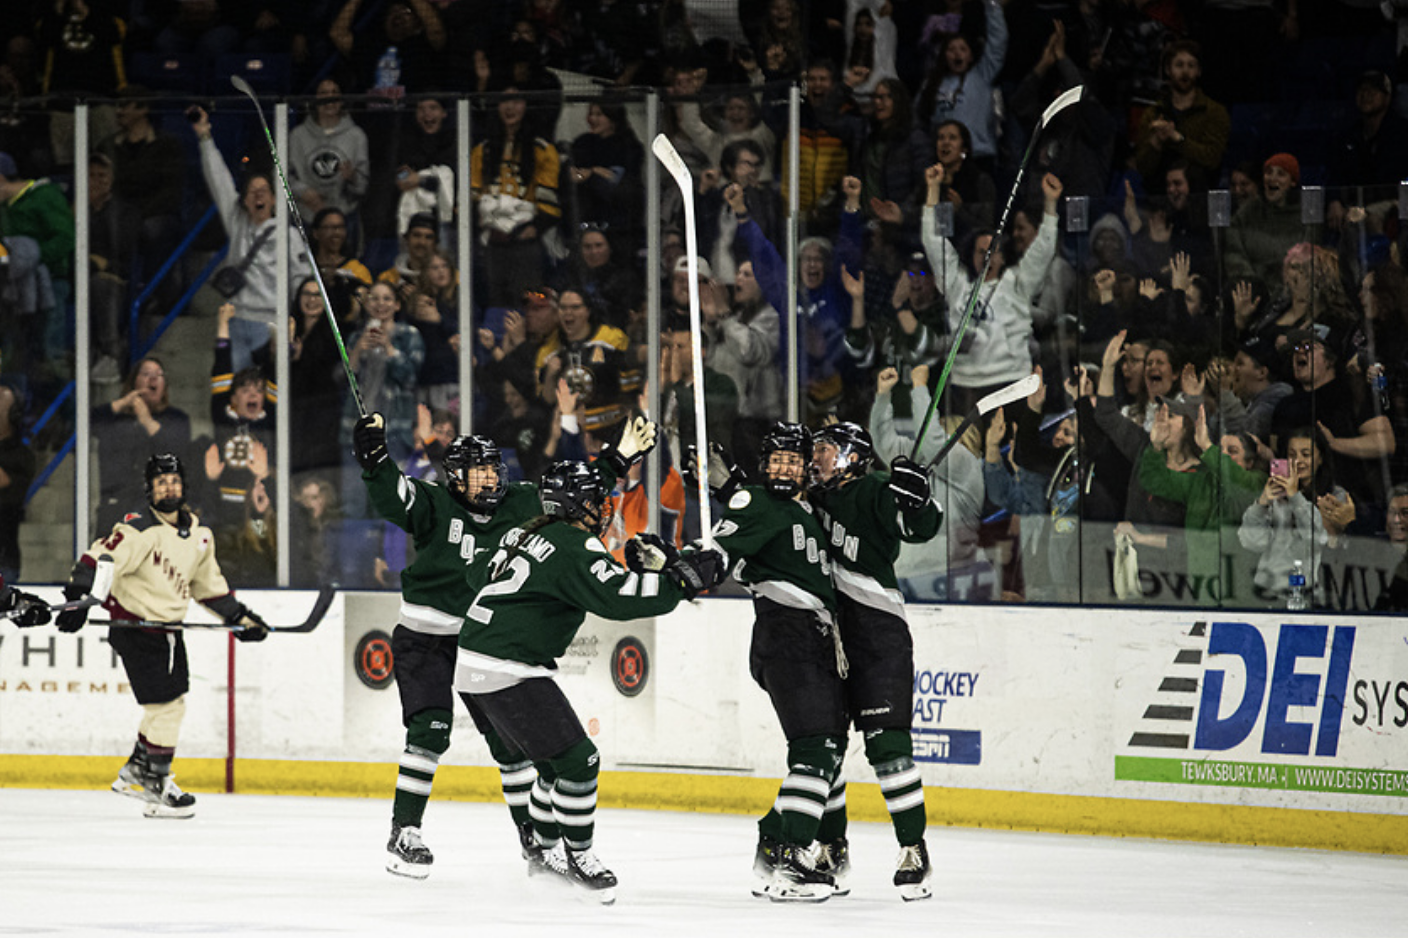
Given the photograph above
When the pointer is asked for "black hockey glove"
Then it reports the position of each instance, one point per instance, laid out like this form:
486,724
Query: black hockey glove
725,477
251,627
697,569
637,439
25,609
80,582
909,483
649,553
369,441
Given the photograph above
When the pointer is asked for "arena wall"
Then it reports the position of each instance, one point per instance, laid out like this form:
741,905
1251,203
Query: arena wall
1220,726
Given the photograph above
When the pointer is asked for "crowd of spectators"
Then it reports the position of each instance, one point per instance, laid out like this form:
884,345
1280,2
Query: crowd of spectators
1216,306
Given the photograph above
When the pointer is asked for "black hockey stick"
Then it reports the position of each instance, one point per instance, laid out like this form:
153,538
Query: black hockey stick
315,616
97,593
1063,101
999,398
243,87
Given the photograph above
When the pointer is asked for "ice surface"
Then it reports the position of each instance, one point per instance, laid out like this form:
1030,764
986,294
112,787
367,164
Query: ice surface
88,863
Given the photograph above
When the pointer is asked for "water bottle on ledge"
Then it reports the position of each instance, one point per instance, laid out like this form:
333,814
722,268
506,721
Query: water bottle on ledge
1295,597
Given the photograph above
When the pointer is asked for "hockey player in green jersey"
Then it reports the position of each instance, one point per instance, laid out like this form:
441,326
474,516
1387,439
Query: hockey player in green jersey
866,516
543,579
777,550
451,525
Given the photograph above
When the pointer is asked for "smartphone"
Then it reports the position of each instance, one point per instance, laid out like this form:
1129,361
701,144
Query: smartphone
1281,468
193,114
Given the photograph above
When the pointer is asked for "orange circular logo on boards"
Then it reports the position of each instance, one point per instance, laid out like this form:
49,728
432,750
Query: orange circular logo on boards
630,666
373,661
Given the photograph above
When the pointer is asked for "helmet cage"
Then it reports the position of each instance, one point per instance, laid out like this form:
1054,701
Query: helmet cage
473,452
849,439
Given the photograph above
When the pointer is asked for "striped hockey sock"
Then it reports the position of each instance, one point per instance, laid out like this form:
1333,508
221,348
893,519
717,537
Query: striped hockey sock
540,811
801,802
517,781
904,798
413,785
574,807
833,820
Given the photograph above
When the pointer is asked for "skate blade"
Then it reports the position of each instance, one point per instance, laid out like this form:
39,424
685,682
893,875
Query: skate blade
605,896
169,813
913,892
399,867
131,791
798,892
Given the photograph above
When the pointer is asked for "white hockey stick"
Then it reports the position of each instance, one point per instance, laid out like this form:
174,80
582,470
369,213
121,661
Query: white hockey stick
244,88
666,153
1063,101
1015,391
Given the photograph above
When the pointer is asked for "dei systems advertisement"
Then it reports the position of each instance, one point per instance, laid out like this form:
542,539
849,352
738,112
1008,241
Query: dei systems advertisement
1292,707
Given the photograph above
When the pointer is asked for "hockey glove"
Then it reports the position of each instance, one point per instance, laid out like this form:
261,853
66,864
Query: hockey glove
909,484
369,441
637,439
696,569
80,583
725,477
648,553
251,628
25,609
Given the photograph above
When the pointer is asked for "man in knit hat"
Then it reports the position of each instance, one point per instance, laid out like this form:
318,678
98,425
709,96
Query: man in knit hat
1264,229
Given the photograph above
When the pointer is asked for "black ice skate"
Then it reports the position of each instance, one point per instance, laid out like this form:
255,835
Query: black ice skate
834,857
584,869
912,872
166,799
797,879
131,777
406,855
526,842
764,864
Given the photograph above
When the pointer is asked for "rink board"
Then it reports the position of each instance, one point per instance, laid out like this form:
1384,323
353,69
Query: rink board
1239,728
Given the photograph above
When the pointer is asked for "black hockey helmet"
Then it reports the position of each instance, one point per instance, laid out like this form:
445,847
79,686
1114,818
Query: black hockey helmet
472,452
849,439
784,438
572,491
160,464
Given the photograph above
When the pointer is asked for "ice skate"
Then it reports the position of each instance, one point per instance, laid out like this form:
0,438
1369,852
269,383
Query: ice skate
584,869
527,844
167,800
406,855
546,861
764,864
834,857
130,780
797,879
912,872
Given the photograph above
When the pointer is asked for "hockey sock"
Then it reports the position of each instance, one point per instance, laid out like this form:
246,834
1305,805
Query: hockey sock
516,774
427,737
833,820
574,794
540,807
891,752
812,763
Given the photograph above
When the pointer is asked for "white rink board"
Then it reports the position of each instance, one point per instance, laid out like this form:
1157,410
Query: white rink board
1057,701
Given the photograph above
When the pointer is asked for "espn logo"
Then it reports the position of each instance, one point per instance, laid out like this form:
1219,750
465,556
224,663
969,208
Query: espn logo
952,747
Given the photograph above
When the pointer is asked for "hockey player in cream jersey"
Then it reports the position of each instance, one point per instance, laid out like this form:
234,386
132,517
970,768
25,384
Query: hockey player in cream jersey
866,515
162,558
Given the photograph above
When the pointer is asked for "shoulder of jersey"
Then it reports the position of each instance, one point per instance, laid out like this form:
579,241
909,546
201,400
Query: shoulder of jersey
595,545
138,520
741,499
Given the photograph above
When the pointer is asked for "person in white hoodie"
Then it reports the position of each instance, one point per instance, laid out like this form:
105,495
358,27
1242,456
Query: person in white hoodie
328,165
249,217
1001,327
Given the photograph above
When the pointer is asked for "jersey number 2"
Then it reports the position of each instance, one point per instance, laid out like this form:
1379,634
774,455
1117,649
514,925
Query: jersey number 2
518,572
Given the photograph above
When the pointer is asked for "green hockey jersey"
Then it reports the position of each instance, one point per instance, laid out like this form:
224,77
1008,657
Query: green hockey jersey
452,543
864,529
538,595
777,549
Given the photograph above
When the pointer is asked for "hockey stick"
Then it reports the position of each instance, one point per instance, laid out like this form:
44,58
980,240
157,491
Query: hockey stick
315,616
666,153
1015,391
1063,101
97,594
243,87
